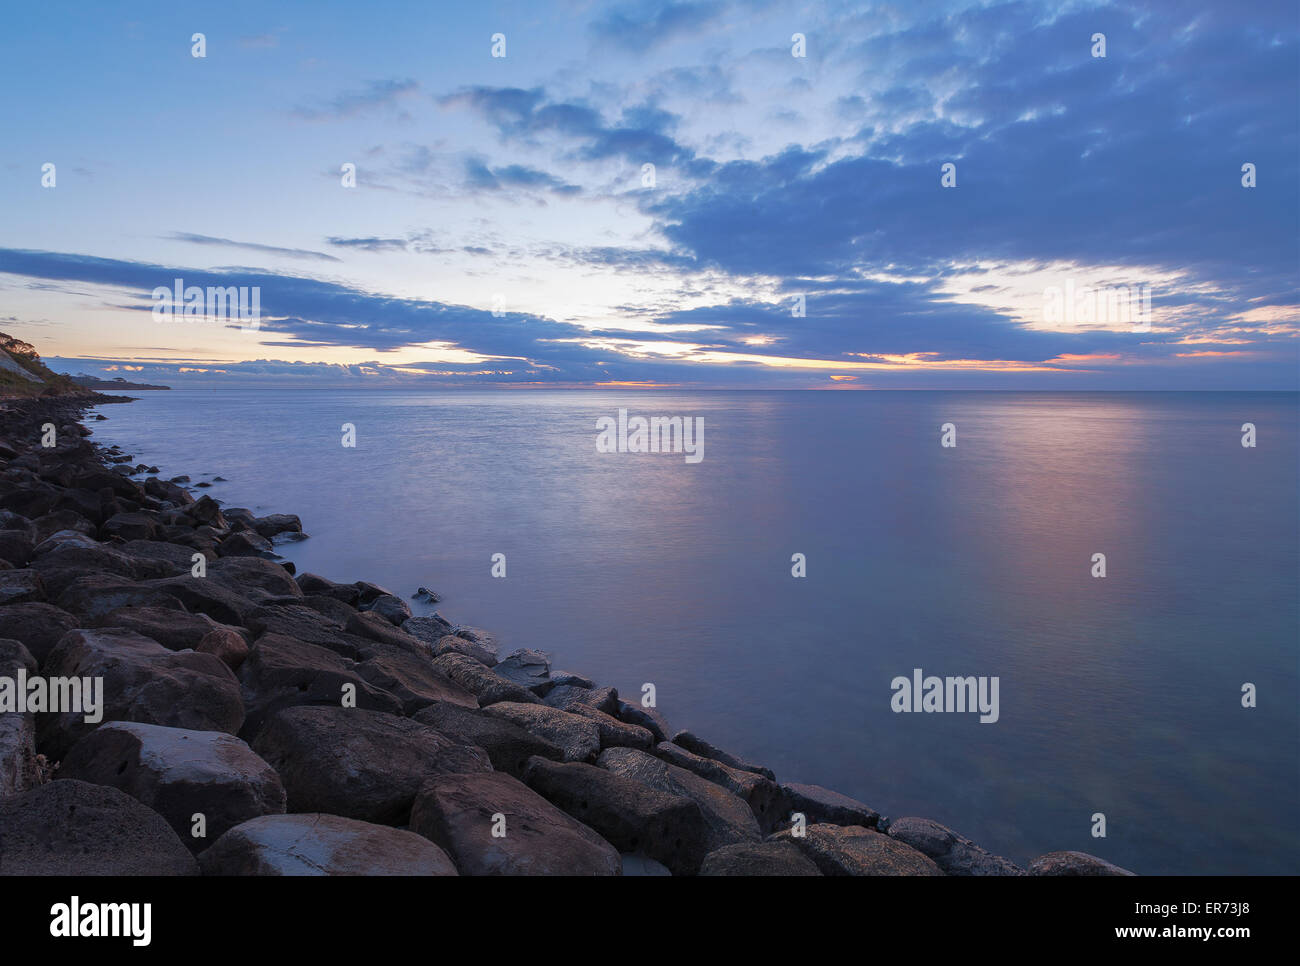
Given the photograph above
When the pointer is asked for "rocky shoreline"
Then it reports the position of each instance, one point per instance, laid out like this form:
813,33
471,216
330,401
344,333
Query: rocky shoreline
254,721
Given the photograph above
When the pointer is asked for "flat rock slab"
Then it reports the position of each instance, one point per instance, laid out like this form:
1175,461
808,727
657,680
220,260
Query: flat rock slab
507,745
631,816
76,828
359,764
853,850
1074,863
577,738
528,668
728,819
758,858
482,682
492,824
697,745
142,681
821,806
179,773
315,844
953,853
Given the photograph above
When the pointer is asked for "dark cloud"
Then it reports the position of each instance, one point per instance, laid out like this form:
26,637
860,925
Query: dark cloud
249,246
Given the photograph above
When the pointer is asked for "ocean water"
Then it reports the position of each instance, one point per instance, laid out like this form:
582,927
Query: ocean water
1118,695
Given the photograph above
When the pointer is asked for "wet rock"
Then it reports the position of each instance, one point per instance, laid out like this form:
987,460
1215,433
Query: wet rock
359,764
854,850
273,523
313,584
577,738
1074,863
953,853
179,773
758,858
244,543
373,627
142,681
459,813
410,678
613,733
631,816
643,717
569,678
75,828
430,629
317,844
564,695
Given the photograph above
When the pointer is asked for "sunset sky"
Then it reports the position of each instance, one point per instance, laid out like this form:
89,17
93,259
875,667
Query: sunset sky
517,184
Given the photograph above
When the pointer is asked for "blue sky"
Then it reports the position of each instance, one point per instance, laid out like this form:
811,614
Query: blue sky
501,230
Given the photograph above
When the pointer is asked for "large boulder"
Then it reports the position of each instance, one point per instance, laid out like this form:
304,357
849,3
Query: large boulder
78,829
375,628
315,584
648,718
821,806
492,824
315,844
305,624
484,653
763,796
174,630
758,858
359,764
563,696
854,850
239,573
282,672
179,773
728,819
507,744
130,526
21,586
430,629
577,738
953,853
485,684
631,816
1074,863
38,625
142,681
410,678
392,609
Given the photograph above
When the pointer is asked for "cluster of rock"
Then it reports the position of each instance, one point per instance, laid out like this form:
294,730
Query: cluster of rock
256,721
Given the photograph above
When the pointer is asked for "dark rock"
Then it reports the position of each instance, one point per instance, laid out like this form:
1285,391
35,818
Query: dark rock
241,573
528,668
410,678
316,844
453,644
727,818
38,625
430,629
225,644
613,733
576,737
390,608
564,695
330,608
375,628
313,584
179,773
130,526
273,523
142,681
1074,863
631,816
458,813
173,629
359,764
559,678
821,806
78,829
21,586
282,672
18,768
507,744
854,850
305,624
486,685
699,746
16,547
763,796
951,852
244,543
644,717
758,858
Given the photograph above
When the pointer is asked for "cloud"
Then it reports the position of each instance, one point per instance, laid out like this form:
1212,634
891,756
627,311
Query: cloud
249,246
371,244
374,95
642,26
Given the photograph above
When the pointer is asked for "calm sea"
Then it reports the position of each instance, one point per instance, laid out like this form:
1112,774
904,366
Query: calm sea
1119,695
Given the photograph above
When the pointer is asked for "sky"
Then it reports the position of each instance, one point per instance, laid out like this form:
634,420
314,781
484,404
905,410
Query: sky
681,194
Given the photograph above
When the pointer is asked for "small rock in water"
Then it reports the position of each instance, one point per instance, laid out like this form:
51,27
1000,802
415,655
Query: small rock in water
219,479
179,479
205,483
424,593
